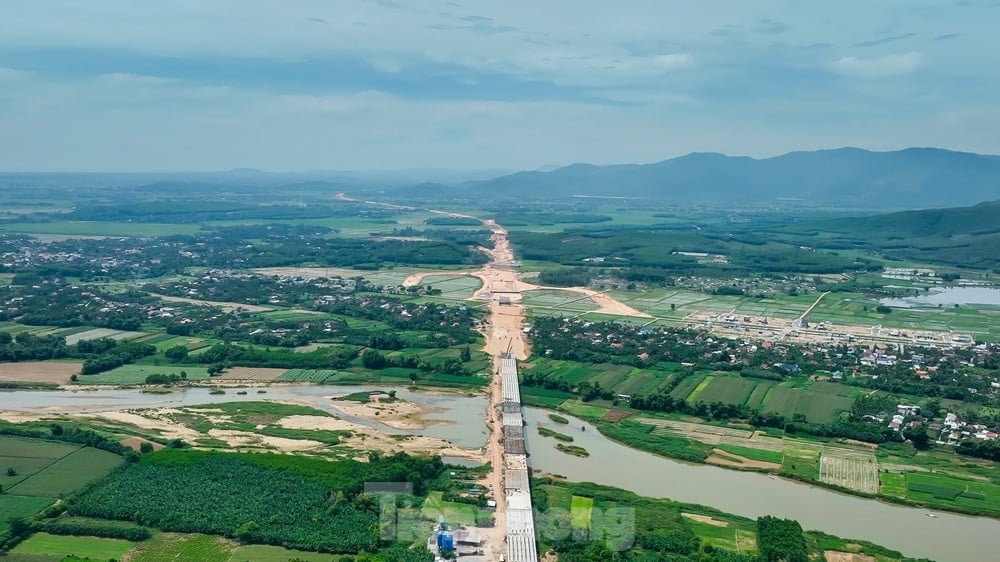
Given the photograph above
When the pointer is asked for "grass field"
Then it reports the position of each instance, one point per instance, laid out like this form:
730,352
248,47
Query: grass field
892,484
698,389
12,506
91,548
752,454
453,512
84,228
261,553
136,374
801,461
581,410
44,471
579,512
944,490
169,547
67,474
729,390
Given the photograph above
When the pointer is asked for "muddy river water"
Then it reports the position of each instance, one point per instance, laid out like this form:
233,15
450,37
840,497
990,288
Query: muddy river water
945,537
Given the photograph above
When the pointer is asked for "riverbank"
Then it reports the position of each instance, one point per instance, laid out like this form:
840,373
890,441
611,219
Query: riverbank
754,494
857,469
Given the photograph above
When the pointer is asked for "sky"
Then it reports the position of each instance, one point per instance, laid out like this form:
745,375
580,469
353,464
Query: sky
392,84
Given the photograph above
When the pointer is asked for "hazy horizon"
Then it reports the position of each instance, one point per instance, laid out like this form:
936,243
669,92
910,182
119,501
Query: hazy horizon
378,85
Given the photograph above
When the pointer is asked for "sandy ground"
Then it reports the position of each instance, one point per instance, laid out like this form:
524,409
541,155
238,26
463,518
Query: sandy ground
364,438
241,439
705,519
743,462
225,306
38,371
151,420
399,414
835,556
136,442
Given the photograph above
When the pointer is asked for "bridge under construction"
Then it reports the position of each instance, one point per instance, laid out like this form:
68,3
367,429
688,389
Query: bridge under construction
520,520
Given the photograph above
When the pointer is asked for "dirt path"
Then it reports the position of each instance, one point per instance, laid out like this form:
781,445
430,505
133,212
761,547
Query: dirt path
225,306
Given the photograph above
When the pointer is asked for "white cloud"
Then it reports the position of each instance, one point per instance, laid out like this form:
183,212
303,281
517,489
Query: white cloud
889,65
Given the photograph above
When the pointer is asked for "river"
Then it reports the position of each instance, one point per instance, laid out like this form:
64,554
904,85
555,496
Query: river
946,538
459,417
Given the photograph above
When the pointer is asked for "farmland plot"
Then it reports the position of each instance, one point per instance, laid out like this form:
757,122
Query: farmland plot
38,371
853,471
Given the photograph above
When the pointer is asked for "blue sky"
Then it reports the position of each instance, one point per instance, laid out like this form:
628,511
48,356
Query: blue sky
388,84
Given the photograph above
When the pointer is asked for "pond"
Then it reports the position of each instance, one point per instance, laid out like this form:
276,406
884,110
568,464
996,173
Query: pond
950,296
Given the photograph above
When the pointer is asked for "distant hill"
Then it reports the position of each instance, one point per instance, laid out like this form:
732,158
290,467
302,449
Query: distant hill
911,178
978,220
963,236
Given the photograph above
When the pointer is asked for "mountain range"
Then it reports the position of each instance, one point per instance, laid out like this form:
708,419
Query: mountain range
910,178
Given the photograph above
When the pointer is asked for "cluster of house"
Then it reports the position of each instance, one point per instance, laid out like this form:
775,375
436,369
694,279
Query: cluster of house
903,411
954,430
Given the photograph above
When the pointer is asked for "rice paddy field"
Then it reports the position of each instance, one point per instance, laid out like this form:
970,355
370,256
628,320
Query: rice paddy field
554,300
452,287
819,402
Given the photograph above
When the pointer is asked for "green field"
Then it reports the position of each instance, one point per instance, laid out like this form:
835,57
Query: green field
12,506
943,490
729,390
453,512
752,454
83,228
136,374
67,474
93,548
579,512
261,553
452,287
698,389
44,471
581,410
818,402
169,547
801,461
892,484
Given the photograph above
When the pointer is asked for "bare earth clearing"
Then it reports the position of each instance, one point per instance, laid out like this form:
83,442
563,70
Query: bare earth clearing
835,556
38,371
730,459
705,519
